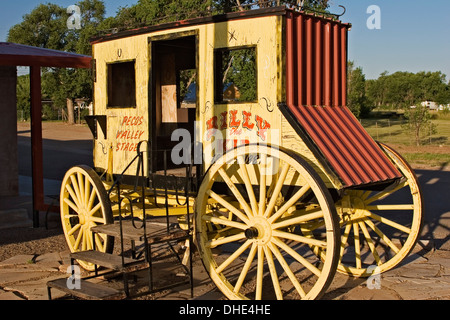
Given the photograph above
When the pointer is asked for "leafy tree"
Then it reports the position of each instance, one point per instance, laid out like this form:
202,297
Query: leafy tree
418,122
46,27
401,90
239,68
356,87
229,5
151,12
23,96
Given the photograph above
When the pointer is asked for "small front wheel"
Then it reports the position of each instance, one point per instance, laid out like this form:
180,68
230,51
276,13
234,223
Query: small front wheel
84,204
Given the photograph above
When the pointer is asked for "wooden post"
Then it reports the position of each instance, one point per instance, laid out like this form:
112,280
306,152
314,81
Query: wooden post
36,143
9,169
70,111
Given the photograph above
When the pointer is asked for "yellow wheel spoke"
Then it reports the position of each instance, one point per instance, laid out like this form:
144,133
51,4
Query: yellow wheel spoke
357,246
96,208
228,206
91,199
384,207
76,188
297,220
81,186
217,242
273,273
382,235
73,195
72,205
287,270
276,190
80,237
301,239
259,273
87,192
99,243
90,240
344,238
68,216
233,257
248,185
300,193
384,194
236,192
296,256
226,222
262,185
99,220
370,242
74,229
246,267
84,241
389,222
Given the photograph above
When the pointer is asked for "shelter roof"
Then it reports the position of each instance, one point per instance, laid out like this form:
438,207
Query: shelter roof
12,54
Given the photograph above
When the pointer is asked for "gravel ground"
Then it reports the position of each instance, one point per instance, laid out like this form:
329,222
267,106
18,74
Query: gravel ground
29,241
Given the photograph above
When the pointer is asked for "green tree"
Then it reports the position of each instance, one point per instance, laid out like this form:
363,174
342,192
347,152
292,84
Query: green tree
418,122
46,27
401,90
228,5
356,91
151,12
23,96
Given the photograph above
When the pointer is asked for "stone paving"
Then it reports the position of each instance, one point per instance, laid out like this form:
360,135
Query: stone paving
424,275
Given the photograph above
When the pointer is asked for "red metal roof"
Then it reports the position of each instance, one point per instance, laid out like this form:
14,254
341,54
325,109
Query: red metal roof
13,54
348,148
316,95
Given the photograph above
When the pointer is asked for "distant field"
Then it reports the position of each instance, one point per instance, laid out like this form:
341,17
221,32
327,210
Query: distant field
434,150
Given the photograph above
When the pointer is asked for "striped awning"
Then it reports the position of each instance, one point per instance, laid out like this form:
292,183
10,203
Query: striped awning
316,98
347,147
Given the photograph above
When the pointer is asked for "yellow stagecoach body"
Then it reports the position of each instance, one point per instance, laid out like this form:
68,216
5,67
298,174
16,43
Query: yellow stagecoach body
153,110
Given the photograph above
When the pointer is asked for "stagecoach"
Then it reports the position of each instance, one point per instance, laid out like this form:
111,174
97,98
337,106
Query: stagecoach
231,132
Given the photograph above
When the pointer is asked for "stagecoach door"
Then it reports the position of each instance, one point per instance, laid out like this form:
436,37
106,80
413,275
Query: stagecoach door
173,105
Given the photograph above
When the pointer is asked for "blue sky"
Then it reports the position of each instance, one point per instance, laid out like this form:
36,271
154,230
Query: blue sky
414,35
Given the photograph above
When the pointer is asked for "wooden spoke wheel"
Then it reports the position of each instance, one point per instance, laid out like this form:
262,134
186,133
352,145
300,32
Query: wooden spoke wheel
380,228
84,204
248,209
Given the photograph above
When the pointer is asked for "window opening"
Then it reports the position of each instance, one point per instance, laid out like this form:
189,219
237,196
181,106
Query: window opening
236,75
122,85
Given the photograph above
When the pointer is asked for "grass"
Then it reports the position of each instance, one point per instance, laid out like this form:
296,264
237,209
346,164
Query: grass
426,158
434,149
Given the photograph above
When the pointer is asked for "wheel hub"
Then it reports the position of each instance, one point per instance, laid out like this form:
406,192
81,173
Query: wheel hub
251,233
260,231
82,218
352,208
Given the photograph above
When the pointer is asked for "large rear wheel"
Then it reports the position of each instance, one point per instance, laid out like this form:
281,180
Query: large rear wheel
248,212
380,228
